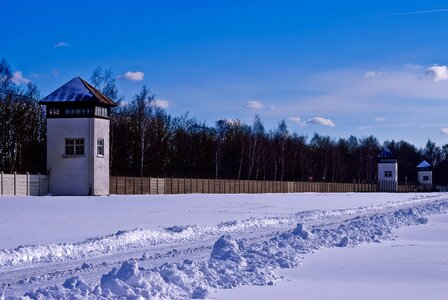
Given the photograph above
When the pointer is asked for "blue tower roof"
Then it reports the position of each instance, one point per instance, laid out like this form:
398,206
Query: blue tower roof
77,90
386,153
424,165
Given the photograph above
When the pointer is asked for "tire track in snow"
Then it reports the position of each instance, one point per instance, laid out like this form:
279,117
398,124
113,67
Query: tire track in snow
124,241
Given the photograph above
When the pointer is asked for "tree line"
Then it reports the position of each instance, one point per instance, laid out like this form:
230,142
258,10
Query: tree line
147,141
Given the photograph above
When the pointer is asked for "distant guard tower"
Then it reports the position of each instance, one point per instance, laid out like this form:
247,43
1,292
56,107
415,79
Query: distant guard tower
78,139
387,171
424,170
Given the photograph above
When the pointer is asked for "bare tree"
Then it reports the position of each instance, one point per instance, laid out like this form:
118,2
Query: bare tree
104,81
142,113
255,147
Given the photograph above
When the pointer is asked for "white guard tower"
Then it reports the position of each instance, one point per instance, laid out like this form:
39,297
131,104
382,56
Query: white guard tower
424,170
387,171
78,139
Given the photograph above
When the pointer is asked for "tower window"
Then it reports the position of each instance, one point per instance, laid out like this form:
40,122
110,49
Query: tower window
74,146
425,178
53,111
101,111
387,174
100,147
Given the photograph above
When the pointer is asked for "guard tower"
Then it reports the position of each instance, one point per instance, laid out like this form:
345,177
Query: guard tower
387,171
78,139
424,170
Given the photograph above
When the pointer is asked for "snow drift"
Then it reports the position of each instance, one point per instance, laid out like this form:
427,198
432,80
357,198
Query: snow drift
235,262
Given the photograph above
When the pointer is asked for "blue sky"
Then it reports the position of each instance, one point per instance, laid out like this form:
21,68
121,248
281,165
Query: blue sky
336,68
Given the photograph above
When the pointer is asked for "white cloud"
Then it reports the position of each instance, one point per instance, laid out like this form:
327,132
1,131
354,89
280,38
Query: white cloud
414,66
444,131
438,72
160,103
298,121
53,73
38,75
380,119
313,121
402,91
62,44
133,76
18,78
123,104
254,104
234,122
373,74
320,121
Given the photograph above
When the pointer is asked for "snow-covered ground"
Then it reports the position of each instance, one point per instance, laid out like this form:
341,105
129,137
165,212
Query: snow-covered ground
34,220
413,266
182,246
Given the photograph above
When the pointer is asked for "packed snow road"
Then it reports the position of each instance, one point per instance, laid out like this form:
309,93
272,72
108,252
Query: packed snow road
235,240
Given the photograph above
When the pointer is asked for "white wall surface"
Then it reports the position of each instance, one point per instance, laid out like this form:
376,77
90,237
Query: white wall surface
101,164
382,167
78,175
425,173
68,175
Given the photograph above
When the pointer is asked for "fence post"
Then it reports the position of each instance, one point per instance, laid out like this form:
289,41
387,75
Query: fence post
208,186
27,183
141,185
15,183
172,185
133,185
38,183
1,181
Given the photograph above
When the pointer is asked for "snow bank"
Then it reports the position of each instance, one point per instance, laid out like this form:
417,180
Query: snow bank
140,238
234,263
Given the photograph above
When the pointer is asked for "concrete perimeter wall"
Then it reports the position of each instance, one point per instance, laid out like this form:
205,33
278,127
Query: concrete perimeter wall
23,185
